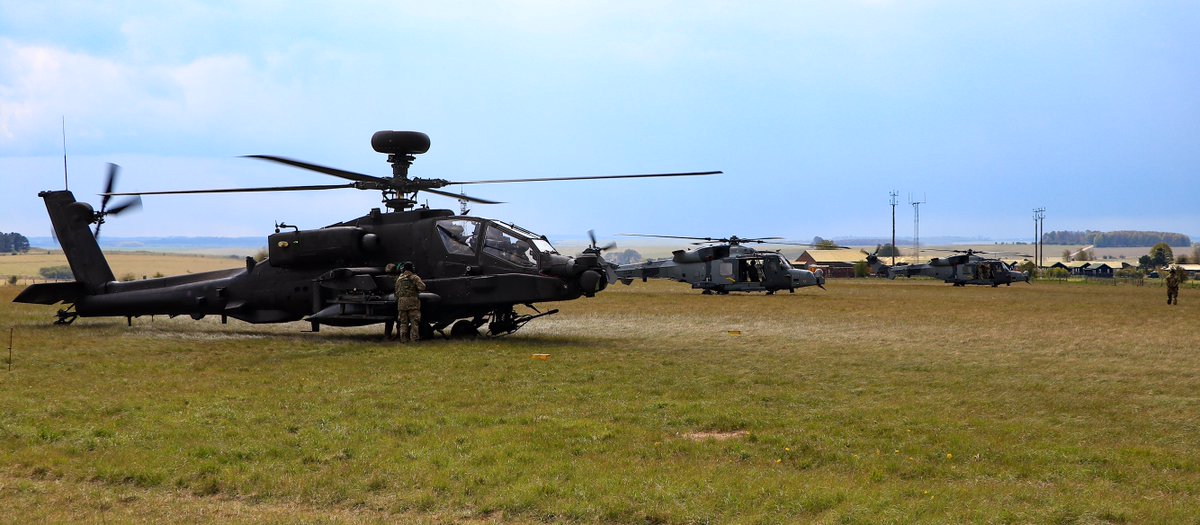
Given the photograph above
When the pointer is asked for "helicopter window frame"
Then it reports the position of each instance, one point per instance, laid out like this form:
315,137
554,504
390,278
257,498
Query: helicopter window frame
509,251
539,241
465,246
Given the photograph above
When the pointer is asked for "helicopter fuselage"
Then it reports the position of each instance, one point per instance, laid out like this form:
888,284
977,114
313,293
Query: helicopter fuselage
724,268
961,270
474,268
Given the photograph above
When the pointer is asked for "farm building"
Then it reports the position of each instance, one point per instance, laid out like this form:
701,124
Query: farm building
835,263
1192,270
1102,268
1092,268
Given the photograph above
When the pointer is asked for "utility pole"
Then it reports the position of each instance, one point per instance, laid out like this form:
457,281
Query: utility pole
893,195
917,225
1036,254
1041,219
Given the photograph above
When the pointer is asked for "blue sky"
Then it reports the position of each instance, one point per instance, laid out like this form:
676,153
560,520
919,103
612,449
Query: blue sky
814,111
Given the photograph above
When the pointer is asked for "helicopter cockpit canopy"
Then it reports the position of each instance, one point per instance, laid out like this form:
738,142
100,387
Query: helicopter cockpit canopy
506,242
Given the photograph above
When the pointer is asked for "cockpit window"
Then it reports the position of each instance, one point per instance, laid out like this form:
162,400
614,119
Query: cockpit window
509,247
458,235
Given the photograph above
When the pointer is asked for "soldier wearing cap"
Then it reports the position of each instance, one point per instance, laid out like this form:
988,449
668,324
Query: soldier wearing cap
408,305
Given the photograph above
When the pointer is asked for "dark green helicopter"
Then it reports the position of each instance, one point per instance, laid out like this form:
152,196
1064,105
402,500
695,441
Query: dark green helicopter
477,270
966,267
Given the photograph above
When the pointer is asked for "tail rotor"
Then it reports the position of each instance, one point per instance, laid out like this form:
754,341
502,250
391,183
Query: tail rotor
110,184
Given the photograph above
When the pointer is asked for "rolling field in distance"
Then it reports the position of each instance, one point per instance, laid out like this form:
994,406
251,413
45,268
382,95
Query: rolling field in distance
139,264
872,402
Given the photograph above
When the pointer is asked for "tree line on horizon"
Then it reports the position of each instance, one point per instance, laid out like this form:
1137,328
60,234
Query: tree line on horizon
1116,239
13,243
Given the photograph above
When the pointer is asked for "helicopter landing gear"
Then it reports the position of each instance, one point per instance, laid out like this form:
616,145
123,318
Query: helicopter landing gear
505,322
65,316
464,329
706,292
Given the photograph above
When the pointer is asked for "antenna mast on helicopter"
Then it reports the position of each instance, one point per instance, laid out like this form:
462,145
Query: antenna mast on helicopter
64,138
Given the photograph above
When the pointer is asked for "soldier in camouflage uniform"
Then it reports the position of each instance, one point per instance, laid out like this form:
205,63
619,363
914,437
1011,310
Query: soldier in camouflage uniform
408,305
1173,280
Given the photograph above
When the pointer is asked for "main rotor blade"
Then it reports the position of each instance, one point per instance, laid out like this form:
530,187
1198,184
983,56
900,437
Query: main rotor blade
238,190
667,236
598,177
348,175
461,196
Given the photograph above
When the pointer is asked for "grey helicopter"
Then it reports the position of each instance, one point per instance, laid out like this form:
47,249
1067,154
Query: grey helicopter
967,267
723,265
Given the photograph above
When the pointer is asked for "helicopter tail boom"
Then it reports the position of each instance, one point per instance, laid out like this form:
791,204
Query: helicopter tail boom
71,220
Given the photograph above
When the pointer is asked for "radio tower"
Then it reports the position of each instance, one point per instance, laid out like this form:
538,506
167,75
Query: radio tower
917,225
893,195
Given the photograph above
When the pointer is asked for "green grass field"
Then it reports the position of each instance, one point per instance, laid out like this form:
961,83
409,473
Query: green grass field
872,402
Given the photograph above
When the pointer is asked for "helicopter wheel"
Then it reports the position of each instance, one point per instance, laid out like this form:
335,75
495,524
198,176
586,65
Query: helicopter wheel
426,330
463,329
707,292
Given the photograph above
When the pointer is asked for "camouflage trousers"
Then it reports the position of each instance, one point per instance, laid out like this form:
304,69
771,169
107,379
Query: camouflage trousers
1172,295
408,324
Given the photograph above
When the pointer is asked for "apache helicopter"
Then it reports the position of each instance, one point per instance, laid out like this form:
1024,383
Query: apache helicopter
476,269
960,270
724,265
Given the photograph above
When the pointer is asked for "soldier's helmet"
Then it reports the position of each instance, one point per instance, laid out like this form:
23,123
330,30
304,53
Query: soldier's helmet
406,266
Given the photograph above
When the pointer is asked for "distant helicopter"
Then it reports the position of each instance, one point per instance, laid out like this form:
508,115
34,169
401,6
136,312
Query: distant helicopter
968,267
723,265
477,270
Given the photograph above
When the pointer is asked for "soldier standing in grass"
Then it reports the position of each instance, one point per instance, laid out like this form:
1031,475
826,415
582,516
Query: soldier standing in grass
408,304
1173,280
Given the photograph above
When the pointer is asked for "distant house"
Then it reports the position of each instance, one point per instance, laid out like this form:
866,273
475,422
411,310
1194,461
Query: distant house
1072,267
834,263
1192,270
1102,268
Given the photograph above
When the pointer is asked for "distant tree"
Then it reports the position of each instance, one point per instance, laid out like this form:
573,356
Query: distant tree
1066,256
1182,259
12,279
128,276
1145,262
13,243
260,255
825,244
861,269
1085,255
56,272
1056,273
1161,255
1116,238
1130,273
1029,266
1196,252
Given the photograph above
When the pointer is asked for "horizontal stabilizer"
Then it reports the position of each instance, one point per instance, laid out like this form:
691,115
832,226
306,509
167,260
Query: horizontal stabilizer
51,293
